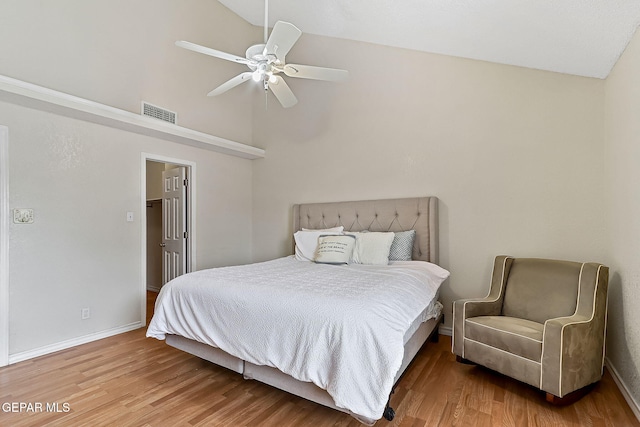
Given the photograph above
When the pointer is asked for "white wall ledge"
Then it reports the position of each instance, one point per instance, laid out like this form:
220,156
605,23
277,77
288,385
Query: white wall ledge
41,98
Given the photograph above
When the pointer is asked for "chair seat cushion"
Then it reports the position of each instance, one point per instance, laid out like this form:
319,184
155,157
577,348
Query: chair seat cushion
517,336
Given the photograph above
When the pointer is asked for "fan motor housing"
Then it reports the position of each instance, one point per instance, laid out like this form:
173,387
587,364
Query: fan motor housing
255,52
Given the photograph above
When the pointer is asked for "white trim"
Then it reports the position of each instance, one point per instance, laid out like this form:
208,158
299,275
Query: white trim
593,313
41,98
604,339
560,393
464,306
624,390
544,330
504,331
47,349
504,351
4,246
191,223
453,327
544,334
445,330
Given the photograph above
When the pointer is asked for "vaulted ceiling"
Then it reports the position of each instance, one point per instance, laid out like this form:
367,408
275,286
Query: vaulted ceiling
581,37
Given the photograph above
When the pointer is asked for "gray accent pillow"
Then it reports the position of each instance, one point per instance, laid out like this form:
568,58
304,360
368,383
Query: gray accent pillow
402,246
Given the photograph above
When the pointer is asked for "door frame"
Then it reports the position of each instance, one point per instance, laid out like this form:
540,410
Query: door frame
4,245
191,219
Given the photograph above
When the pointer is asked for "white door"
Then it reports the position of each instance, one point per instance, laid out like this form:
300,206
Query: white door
174,223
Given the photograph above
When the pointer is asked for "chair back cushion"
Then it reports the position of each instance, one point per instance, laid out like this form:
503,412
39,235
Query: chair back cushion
541,289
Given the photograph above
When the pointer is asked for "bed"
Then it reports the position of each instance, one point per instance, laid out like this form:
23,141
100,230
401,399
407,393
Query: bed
345,350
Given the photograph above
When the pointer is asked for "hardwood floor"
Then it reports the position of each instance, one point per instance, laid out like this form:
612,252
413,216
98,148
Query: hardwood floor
151,302
130,380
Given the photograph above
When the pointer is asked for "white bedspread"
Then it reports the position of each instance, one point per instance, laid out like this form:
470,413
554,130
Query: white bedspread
340,327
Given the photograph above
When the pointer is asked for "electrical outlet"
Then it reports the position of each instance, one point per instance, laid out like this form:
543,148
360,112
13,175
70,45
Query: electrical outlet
85,313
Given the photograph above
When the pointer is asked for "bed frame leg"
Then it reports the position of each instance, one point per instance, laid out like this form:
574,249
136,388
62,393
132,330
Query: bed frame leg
389,414
435,334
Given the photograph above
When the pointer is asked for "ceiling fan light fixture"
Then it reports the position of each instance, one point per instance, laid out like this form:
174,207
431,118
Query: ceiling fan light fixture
266,61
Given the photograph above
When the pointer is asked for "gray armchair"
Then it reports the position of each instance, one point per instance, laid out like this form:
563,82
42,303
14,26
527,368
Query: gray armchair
543,323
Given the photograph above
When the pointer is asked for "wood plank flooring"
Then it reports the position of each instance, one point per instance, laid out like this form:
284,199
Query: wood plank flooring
130,380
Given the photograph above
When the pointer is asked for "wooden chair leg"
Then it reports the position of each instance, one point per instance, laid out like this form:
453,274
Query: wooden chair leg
570,398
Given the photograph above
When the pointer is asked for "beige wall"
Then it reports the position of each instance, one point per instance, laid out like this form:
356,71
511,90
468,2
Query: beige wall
515,155
122,52
80,251
622,201
154,180
81,178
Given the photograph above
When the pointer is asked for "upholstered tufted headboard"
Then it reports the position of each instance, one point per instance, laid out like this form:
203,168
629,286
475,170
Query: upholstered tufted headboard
420,214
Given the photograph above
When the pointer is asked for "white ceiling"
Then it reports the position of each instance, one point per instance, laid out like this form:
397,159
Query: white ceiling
581,37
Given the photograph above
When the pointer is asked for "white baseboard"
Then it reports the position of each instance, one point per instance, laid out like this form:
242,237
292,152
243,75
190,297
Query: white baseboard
445,330
153,288
47,349
635,407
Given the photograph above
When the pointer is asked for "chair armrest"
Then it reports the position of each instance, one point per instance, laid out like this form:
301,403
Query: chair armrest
466,308
573,346
491,305
473,307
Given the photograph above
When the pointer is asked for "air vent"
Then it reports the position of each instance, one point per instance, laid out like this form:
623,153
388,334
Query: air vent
159,113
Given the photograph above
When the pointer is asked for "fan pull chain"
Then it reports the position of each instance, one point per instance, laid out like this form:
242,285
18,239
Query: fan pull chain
266,101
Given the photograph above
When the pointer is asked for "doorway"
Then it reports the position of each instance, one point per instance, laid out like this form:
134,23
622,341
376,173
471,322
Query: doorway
168,244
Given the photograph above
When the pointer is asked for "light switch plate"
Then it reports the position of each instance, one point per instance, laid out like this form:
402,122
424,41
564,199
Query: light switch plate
23,216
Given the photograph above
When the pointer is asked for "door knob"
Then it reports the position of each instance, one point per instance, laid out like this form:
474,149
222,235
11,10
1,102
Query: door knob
162,245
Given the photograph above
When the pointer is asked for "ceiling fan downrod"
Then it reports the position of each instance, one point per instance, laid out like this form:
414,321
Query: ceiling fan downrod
266,21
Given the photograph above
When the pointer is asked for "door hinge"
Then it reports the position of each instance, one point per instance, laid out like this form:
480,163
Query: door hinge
186,234
186,182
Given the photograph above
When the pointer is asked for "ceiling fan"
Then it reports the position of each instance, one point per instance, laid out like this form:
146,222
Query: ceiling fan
266,61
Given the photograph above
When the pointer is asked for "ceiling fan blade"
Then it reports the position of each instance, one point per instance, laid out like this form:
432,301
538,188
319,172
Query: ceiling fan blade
212,52
316,73
282,39
230,84
283,93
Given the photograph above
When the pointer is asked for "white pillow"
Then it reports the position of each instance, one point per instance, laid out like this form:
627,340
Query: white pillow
307,242
372,248
335,249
